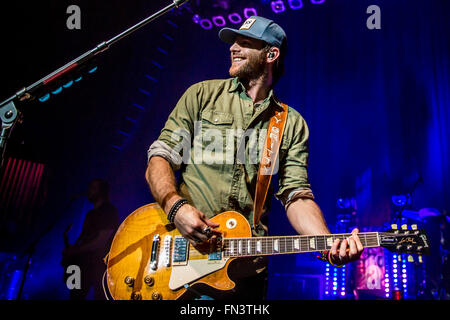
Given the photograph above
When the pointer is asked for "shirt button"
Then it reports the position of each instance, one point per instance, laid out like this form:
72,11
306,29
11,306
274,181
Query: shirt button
216,119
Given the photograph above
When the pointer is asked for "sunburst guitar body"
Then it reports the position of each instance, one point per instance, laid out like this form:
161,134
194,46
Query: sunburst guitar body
149,259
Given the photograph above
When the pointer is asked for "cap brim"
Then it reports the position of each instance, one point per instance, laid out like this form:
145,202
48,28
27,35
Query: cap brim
228,35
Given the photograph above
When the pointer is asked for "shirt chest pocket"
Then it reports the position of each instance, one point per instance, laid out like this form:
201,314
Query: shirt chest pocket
217,137
217,119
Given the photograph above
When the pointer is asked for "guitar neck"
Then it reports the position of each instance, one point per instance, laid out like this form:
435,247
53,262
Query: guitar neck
242,247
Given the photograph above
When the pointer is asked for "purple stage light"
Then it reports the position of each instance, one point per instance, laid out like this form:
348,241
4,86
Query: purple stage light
317,1
196,18
219,21
295,4
206,24
235,18
248,12
277,6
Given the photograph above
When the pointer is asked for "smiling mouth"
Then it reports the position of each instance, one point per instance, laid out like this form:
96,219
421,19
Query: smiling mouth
237,59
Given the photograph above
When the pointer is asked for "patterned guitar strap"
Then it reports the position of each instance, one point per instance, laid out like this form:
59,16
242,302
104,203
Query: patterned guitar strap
269,161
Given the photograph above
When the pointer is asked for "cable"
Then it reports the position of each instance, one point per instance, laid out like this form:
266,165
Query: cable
103,285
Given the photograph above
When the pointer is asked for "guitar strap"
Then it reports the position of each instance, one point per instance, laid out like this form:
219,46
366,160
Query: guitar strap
269,161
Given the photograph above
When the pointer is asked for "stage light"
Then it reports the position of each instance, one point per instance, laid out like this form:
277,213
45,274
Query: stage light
68,84
277,6
78,79
196,18
317,1
206,24
93,70
44,97
235,18
343,203
295,4
58,90
219,21
399,200
248,12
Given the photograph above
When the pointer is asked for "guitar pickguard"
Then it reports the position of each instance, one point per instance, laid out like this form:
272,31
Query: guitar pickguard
194,270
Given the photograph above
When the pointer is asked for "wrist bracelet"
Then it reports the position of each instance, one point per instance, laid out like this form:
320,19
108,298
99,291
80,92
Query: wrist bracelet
325,256
173,211
329,260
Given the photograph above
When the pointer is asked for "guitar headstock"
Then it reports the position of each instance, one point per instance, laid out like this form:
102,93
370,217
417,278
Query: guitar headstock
405,240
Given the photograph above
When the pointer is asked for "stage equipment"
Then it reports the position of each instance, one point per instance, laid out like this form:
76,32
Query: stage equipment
55,80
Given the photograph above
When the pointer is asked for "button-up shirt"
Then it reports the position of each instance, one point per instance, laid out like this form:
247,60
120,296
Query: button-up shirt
215,135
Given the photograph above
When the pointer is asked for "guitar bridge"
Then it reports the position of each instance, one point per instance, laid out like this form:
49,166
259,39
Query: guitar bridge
180,251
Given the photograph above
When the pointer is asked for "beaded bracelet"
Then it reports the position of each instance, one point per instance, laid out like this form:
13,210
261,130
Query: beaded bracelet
173,211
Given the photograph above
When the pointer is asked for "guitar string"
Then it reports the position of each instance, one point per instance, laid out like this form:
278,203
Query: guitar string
267,246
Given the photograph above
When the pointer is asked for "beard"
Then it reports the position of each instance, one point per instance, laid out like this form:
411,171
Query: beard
252,68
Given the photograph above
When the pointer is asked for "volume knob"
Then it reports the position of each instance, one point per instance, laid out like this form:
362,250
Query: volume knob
129,281
136,296
156,296
149,280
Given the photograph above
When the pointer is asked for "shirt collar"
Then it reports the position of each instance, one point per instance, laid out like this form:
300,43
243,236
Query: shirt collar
236,84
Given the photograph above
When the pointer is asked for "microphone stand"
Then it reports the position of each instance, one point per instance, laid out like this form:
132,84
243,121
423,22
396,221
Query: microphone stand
8,110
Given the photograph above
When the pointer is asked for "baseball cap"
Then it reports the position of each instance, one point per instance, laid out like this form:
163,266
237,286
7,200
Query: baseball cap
258,28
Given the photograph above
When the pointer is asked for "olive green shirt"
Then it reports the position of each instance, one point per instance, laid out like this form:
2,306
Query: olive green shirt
203,136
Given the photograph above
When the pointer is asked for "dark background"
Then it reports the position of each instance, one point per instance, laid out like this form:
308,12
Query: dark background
376,102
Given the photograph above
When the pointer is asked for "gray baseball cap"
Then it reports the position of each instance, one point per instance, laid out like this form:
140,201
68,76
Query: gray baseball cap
258,28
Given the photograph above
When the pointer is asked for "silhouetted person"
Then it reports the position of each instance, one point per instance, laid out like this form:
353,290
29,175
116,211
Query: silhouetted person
94,241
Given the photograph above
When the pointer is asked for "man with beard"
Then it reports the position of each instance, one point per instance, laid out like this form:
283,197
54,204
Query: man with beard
206,188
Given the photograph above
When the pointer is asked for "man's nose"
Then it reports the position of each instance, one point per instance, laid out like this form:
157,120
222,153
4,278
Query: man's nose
234,47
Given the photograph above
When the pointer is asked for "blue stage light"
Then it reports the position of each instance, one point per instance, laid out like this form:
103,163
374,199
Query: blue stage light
93,70
44,97
68,84
58,90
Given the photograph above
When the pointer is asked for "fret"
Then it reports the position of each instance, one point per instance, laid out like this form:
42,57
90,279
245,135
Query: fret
320,240
304,244
240,246
249,247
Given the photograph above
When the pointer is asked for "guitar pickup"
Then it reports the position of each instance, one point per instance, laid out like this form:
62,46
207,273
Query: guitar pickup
154,254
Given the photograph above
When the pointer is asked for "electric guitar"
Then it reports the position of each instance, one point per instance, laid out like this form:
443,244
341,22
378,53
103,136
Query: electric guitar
150,260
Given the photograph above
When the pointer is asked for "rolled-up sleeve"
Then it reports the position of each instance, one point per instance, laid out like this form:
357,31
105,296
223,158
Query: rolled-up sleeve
175,140
293,174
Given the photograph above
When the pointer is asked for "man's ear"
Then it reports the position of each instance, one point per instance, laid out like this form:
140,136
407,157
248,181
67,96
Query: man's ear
273,54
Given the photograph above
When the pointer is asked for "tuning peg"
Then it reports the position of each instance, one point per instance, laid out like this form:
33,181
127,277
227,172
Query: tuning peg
404,227
414,226
410,258
394,226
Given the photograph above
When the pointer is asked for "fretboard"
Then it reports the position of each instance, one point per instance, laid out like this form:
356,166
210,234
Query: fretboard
241,247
